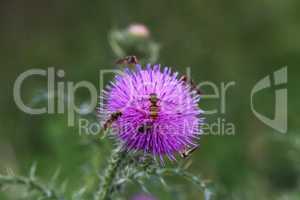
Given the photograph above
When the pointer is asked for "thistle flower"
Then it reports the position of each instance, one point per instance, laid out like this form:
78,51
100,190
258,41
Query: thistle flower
139,30
142,197
152,111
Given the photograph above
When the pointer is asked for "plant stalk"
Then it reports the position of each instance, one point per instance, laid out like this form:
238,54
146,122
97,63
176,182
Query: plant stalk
106,186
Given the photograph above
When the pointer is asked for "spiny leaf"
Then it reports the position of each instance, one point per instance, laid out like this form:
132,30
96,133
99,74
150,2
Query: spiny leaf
78,195
32,171
54,177
63,186
10,172
30,184
143,186
163,182
208,194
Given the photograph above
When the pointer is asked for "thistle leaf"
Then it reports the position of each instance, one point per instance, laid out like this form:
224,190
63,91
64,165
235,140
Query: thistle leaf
32,171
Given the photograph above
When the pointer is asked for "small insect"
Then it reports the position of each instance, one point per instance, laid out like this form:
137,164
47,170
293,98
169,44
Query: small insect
113,117
186,80
128,60
154,108
188,152
144,128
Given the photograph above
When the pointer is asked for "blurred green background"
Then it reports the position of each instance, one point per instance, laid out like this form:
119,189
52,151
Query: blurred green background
241,41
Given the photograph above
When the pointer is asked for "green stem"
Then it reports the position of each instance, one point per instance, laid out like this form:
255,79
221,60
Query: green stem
105,188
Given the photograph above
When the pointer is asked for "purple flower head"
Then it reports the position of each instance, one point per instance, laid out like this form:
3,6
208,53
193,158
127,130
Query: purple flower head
153,111
143,197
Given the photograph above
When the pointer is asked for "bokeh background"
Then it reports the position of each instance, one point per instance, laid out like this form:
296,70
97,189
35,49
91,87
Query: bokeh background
241,41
